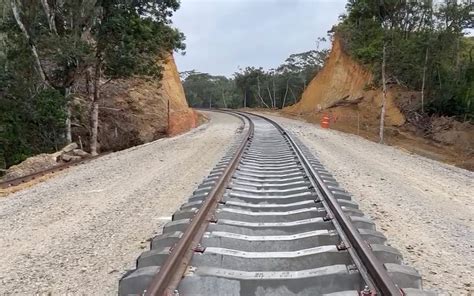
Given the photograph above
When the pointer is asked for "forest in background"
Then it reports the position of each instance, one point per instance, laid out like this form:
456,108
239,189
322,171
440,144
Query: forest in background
426,51
253,86
56,51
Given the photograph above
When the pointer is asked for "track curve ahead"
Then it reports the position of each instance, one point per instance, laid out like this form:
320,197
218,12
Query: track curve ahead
270,220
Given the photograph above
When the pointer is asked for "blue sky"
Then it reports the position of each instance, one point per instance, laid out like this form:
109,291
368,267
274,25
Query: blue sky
223,35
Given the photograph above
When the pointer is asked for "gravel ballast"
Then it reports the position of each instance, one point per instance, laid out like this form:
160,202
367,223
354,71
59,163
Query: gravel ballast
78,232
424,207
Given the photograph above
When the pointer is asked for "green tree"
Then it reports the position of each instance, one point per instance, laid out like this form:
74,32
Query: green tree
254,87
131,36
425,48
51,47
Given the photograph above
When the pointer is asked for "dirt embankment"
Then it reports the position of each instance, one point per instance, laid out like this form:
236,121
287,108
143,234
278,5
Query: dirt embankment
132,112
345,91
137,110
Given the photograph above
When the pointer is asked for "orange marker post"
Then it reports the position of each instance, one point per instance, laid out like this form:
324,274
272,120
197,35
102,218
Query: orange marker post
325,121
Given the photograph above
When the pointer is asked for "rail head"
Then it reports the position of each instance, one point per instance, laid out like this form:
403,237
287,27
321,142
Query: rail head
376,271
9,183
167,279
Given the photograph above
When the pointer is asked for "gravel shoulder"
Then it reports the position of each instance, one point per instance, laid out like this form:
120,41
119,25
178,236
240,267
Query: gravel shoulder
78,232
424,207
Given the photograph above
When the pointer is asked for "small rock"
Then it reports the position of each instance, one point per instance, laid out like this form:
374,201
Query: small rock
66,157
69,148
69,158
79,152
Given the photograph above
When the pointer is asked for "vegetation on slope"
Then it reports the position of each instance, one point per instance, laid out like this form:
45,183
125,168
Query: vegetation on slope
426,49
54,50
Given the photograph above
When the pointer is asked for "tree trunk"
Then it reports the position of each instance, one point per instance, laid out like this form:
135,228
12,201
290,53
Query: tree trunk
223,100
34,51
270,95
245,99
94,127
68,116
258,93
90,91
293,94
424,81
94,119
50,16
458,59
286,93
274,93
439,79
384,94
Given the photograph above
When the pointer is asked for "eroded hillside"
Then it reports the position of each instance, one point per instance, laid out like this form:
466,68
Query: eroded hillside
344,87
345,91
135,111
131,112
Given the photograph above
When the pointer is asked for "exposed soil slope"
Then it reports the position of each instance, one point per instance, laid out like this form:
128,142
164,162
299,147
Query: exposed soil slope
345,91
132,112
135,111
343,83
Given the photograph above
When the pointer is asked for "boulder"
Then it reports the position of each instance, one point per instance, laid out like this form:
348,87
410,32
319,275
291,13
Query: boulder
69,148
80,152
68,157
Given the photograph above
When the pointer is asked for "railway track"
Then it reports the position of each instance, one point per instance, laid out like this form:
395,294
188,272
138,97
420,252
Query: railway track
270,220
5,184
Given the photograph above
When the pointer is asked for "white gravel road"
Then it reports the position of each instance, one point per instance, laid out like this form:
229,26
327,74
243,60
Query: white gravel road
424,207
78,232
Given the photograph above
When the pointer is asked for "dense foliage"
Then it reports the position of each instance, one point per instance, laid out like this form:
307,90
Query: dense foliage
426,48
254,87
52,51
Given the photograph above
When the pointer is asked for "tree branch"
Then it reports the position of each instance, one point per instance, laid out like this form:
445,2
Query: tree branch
49,16
34,51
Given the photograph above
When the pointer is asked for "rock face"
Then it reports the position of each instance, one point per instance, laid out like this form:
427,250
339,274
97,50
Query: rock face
135,111
343,86
344,91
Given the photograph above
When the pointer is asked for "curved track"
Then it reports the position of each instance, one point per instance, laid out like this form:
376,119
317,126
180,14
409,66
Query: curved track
270,220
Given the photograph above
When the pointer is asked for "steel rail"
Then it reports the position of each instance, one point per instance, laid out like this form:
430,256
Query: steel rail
174,267
24,179
382,280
